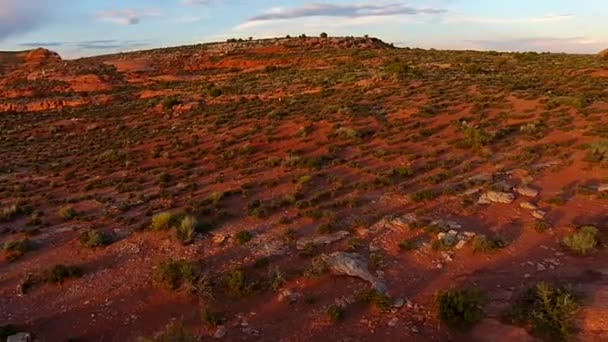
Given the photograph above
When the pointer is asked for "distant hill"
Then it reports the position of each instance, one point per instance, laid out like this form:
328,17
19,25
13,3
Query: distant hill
10,60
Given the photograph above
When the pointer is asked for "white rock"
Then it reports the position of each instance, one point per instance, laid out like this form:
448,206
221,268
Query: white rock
321,240
539,214
460,244
496,197
528,206
393,322
527,191
220,332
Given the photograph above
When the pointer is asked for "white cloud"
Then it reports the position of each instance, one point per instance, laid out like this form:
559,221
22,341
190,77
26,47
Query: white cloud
126,16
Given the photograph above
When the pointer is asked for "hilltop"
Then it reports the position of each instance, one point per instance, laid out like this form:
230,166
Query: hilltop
300,189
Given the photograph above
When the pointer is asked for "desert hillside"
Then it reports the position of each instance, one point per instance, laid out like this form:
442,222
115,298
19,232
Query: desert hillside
304,189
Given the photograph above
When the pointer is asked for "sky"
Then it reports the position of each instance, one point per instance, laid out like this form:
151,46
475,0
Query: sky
77,28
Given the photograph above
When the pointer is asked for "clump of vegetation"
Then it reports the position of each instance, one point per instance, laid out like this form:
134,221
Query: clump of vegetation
482,243
237,284
583,241
16,248
10,212
474,137
549,309
67,212
459,309
317,267
93,238
541,226
186,230
242,237
378,300
161,221
598,152
335,312
276,278
401,69
424,195
173,274
171,102
210,318
409,245
60,273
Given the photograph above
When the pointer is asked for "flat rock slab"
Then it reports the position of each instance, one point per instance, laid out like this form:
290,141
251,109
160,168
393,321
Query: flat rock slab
602,188
354,265
496,197
321,240
526,191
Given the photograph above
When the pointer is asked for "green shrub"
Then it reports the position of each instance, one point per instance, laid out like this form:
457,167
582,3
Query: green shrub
335,312
171,102
541,226
408,245
424,195
378,300
598,152
161,221
210,318
9,213
459,309
548,309
17,248
173,274
242,237
60,273
186,230
583,241
67,213
237,284
276,278
474,137
93,238
482,243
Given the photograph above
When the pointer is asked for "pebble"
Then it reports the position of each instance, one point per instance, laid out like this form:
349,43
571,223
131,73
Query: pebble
220,332
527,191
393,322
399,302
541,267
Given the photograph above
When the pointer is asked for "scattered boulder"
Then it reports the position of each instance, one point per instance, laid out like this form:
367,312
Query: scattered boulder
270,248
321,240
496,197
394,222
354,265
538,214
446,225
526,191
289,296
528,206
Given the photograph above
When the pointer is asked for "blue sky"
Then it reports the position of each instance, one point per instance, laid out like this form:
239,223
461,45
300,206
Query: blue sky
88,27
